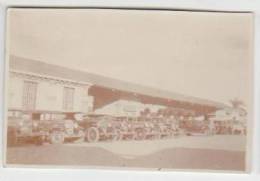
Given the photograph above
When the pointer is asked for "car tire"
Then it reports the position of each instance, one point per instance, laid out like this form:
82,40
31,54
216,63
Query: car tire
92,135
118,136
140,135
57,138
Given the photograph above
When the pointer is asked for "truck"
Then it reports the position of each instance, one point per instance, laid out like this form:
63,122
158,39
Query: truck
39,127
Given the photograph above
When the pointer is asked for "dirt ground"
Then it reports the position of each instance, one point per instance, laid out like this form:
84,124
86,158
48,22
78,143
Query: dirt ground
196,152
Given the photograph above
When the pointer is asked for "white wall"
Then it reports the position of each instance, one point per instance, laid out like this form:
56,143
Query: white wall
82,102
49,96
15,91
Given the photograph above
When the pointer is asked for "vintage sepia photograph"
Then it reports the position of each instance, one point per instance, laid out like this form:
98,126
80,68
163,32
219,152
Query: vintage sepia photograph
128,89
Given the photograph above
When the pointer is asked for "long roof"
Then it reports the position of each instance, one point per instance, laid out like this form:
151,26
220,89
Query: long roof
45,69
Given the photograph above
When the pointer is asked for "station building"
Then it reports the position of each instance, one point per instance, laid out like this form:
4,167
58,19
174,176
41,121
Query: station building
35,86
38,86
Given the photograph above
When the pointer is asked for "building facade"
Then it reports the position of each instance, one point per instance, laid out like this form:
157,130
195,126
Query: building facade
39,86
32,92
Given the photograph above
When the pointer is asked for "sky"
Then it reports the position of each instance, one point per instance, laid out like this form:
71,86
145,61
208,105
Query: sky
201,54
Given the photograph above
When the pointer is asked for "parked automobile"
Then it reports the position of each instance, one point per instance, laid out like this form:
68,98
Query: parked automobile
42,126
59,127
238,128
223,127
193,128
126,128
147,128
139,129
21,128
100,127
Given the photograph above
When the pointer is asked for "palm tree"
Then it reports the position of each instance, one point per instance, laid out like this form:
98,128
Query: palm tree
237,103
239,106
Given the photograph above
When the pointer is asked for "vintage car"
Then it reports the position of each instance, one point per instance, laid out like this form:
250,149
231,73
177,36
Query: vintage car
99,127
126,128
139,129
195,128
59,127
21,128
223,127
42,126
157,128
151,130
164,128
238,128
148,128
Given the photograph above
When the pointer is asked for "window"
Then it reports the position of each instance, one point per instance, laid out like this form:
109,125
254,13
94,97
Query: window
29,95
68,98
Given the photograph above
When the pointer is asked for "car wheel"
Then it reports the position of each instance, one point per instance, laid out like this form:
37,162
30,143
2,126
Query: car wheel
92,135
140,135
117,136
57,138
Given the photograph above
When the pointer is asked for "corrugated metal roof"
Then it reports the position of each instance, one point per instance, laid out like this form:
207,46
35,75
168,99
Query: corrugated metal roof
38,67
